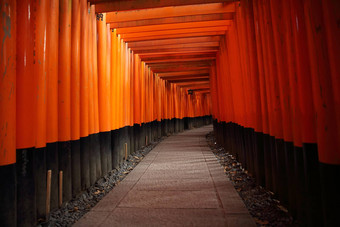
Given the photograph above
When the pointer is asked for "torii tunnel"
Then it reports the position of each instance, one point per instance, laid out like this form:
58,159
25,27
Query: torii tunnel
85,83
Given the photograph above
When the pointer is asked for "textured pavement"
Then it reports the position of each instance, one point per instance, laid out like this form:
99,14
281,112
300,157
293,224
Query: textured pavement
179,183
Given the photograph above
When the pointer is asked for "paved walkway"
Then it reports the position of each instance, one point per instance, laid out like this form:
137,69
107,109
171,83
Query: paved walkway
179,183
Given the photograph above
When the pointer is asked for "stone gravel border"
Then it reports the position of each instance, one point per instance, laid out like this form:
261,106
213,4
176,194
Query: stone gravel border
265,209
74,209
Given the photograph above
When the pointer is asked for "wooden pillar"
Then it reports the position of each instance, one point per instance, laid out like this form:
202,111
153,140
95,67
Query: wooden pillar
321,34
25,114
84,97
75,97
64,100
95,170
8,112
40,72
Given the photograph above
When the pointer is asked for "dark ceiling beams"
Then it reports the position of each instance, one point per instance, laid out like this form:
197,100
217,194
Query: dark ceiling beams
126,5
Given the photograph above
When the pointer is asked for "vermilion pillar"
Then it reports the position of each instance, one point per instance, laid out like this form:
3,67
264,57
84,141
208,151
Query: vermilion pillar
91,73
266,107
40,72
64,97
75,97
281,48
331,17
323,88
75,71
303,70
25,100
114,80
95,166
103,78
95,68
132,89
52,98
84,96
52,72
244,67
8,112
262,85
321,33
40,69
25,114
64,88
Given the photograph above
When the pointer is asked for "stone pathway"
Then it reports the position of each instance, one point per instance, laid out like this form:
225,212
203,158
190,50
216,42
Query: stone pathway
179,183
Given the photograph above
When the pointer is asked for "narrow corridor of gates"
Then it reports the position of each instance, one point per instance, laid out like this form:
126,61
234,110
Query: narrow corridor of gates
179,183
85,83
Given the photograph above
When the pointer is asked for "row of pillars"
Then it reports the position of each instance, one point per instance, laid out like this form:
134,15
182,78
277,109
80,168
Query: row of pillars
44,179
275,94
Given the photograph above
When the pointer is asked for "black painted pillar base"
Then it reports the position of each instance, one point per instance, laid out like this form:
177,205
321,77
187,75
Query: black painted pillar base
65,165
186,123
170,126
85,162
120,147
76,167
267,162
52,161
282,179
92,159
300,181
155,130
189,123
272,150
234,139
125,142
149,139
314,209
40,182
178,122
152,131
97,155
249,150
182,125
167,127
290,172
146,135
159,129
115,149
240,153
105,152
132,140
259,159
330,189
26,209
163,133
142,136
8,195
177,126
225,138
137,129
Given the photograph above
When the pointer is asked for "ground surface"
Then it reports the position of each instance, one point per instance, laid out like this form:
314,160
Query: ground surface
179,183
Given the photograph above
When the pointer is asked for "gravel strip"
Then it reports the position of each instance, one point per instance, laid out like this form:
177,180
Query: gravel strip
73,210
265,209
